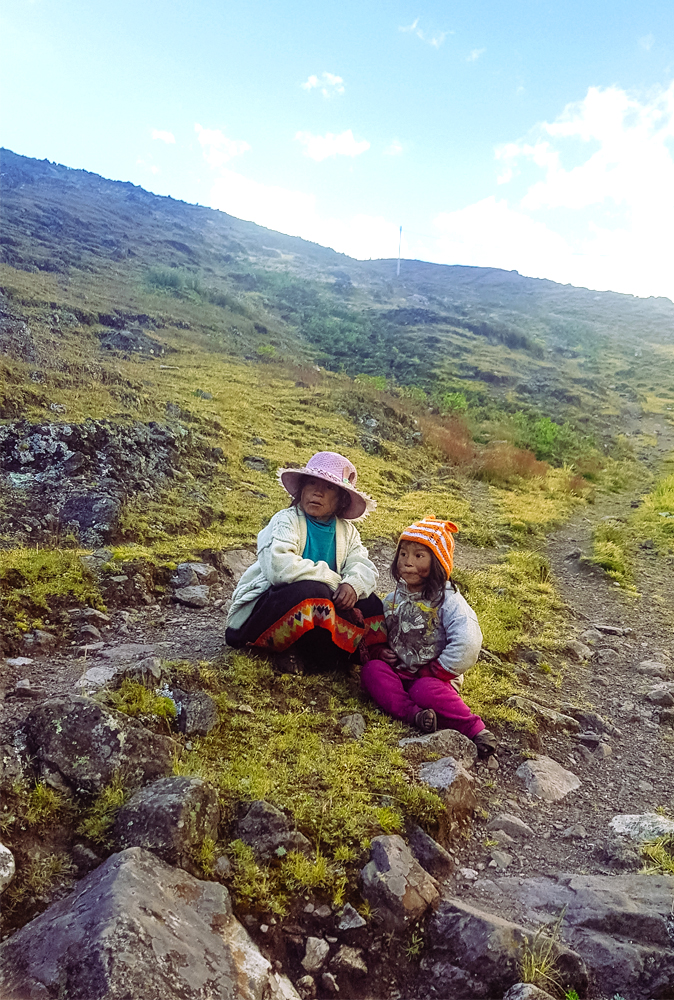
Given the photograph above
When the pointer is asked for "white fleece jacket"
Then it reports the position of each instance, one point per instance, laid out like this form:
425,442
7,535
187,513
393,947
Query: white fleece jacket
279,560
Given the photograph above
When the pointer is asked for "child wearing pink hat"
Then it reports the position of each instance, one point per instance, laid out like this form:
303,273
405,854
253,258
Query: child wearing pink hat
433,638
309,597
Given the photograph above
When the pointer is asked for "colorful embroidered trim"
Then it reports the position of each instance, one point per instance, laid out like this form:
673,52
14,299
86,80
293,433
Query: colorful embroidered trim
312,613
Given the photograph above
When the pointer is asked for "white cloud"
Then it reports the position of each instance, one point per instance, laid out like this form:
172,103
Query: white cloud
297,214
435,39
329,84
475,54
148,166
601,212
218,149
320,147
167,137
646,43
394,149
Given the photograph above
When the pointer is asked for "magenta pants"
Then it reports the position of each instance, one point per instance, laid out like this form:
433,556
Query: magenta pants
403,698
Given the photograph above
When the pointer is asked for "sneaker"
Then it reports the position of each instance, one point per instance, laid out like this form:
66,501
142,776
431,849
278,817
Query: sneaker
486,744
426,721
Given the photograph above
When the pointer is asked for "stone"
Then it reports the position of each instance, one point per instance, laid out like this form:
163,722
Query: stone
350,919
90,614
545,779
618,924
90,631
666,717
127,652
642,826
26,689
223,866
607,655
353,726
612,629
85,859
488,948
621,852
431,856
39,641
526,991
575,832
19,661
79,744
96,678
7,867
139,929
329,983
317,950
501,859
653,668
256,463
590,635
306,986
396,885
662,694
349,960
190,573
184,576
588,719
193,597
603,751
548,716
645,786
147,671
269,832
447,742
469,874
197,712
454,784
170,817
512,825
235,562
589,739
578,651
323,912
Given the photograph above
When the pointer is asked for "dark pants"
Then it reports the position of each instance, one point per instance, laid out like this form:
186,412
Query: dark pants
302,616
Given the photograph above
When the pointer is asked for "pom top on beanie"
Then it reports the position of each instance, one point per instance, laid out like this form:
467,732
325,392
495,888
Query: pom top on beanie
437,535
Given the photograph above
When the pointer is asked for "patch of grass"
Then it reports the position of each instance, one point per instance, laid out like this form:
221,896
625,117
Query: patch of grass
611,551
35,880
35,807
658,856
135,699
292,753
98,819
205,856
36,584
539,963
44,805
655,518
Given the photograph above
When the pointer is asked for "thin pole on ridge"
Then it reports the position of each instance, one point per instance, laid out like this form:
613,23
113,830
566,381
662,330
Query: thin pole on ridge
400,240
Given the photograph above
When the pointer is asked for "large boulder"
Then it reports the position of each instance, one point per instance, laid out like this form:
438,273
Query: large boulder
431,855
137,929
396,885
545,779
269,832
170,817
619,924
79,744
487,948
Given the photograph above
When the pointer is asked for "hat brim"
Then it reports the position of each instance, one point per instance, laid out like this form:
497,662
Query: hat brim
361,504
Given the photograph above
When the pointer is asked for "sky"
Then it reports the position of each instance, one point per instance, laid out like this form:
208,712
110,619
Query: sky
519,134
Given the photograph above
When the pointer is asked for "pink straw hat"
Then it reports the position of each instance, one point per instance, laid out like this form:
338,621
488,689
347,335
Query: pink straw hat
335,469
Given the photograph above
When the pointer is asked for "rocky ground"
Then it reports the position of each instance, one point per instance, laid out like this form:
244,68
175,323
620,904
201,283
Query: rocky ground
604,725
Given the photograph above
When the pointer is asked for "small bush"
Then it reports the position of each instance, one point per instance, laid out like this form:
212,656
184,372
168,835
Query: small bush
503,462
610,552
134,699
98,819
451,439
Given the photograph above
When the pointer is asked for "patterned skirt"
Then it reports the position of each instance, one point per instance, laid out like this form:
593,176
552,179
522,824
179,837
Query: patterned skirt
289,611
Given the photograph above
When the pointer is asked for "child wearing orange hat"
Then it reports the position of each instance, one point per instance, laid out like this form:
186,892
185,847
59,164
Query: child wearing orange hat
433,638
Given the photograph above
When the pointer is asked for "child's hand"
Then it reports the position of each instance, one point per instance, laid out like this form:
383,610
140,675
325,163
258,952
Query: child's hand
388,656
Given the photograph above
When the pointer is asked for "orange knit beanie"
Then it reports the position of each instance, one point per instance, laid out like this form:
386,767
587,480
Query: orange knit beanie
437,535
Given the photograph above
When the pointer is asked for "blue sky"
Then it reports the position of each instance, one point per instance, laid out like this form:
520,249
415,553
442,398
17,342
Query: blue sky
530,135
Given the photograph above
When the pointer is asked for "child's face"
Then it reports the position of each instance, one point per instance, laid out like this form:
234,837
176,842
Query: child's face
319,499
414,563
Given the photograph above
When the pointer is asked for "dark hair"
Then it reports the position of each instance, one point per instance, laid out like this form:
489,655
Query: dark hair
433,589
344,497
